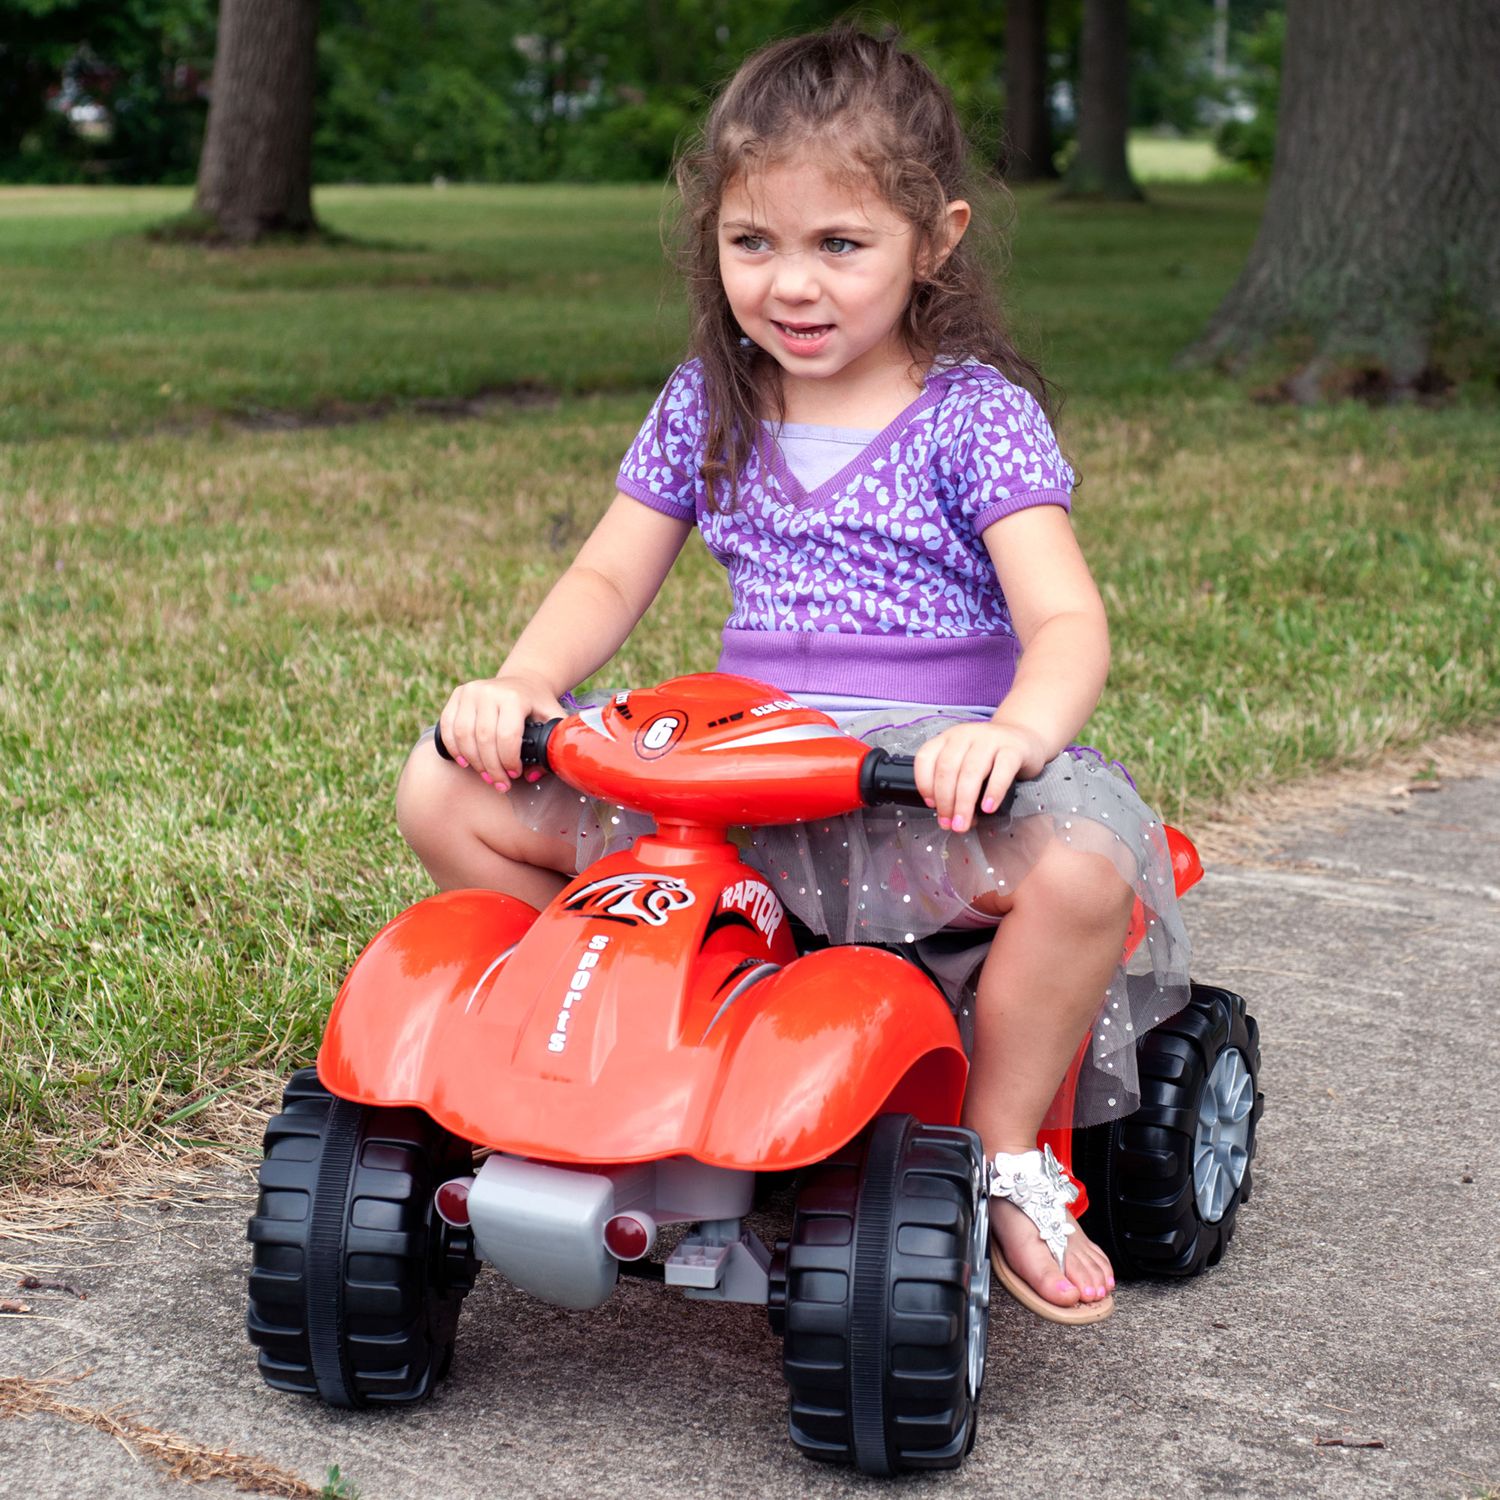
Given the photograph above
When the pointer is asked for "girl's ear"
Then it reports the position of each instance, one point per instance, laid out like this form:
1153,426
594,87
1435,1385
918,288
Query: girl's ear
955,221
958,216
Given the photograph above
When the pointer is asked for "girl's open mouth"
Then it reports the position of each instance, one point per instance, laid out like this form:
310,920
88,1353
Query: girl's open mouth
808,338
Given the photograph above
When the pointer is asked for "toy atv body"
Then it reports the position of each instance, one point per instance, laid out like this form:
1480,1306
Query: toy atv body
544,1091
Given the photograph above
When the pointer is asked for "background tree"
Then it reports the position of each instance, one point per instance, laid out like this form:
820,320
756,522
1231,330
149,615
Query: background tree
1026,155
1099,167
255,175
1382,224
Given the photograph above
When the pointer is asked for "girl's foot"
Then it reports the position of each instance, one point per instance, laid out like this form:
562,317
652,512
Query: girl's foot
1086,1275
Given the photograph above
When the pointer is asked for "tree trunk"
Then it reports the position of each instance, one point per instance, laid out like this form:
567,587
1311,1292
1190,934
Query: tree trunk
1100,168
1382,223
1026,155
255,174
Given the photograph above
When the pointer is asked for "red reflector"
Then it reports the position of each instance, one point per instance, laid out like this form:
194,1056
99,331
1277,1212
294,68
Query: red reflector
452,1201
626,1238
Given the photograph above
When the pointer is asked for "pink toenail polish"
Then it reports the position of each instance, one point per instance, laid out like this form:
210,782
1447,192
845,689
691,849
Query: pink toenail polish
534,774
485,776
945,822
458,760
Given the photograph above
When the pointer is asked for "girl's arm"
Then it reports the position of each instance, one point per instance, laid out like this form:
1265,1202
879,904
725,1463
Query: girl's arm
579,626
1059,620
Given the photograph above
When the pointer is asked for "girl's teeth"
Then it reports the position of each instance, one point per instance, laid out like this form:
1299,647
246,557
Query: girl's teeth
805,333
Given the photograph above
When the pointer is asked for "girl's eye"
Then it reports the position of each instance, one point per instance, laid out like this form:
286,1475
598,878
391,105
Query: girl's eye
835,246
750,242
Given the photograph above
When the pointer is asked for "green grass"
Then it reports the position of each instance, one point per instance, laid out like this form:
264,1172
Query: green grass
105,333
443,293
217,643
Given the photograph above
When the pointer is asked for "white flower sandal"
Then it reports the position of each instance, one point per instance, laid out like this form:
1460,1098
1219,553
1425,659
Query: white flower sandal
1038,1186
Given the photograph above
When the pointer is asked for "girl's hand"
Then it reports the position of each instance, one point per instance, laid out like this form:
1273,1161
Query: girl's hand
482,723
973,765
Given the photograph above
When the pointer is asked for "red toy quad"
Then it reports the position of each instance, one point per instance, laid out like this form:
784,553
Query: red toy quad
545,1091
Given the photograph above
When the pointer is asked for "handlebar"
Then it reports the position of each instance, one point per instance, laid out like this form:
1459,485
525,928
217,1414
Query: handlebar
534,739
886,780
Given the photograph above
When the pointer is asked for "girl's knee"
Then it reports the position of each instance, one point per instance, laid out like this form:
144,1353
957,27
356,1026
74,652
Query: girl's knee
1084,888
421,796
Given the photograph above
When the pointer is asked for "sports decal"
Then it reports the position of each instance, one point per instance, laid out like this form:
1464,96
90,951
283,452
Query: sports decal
775,706
755,900
632,899
656,736
587,963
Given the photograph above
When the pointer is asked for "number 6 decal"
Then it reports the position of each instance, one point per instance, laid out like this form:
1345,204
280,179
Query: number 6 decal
658,735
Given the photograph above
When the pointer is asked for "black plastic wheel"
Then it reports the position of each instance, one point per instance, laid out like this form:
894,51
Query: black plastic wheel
882,1297
1148,1211
355,1282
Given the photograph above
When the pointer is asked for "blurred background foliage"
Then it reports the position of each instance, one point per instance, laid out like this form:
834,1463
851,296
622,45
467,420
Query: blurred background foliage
560,90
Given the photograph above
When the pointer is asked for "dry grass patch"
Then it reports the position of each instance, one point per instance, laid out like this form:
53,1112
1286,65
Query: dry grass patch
176,1456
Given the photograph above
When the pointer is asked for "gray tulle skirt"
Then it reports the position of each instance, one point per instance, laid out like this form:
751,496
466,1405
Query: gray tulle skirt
891,875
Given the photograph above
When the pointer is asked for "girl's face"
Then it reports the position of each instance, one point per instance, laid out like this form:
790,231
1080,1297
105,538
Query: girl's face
817,272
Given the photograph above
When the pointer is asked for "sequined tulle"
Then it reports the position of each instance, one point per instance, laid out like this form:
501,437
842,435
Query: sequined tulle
888,875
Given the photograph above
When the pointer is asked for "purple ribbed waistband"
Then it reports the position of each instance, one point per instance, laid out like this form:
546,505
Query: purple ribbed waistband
902,668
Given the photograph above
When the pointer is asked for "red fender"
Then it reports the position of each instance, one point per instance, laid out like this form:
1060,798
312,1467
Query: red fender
848,1033
452,1009
401,988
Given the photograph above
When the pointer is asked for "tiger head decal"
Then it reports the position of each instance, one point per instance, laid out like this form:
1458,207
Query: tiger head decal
632,899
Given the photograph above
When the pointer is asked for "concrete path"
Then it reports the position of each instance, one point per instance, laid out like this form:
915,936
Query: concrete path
1357,1304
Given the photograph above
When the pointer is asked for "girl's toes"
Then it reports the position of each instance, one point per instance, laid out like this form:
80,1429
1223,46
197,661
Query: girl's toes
1090,1271
1061,1291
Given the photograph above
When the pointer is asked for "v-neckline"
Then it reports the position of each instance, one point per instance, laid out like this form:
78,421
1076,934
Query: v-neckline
791,486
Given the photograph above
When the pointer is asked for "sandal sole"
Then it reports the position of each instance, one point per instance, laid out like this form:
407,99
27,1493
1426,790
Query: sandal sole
1079,1313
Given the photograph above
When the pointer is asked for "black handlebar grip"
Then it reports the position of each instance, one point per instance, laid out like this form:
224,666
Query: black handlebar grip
886,779
534,739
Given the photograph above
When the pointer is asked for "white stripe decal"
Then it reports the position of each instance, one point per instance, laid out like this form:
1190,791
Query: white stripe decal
787,736
479,985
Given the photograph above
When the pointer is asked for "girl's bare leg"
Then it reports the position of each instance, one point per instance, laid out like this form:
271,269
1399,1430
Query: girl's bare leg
1039,990
467,835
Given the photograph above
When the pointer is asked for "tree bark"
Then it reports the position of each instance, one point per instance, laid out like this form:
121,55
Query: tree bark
255,174
1382,223
1099,168
1027,150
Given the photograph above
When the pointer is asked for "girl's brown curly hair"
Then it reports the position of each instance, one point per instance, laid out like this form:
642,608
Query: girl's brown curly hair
874,111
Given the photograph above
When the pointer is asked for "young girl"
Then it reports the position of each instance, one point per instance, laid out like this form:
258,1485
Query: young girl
863,449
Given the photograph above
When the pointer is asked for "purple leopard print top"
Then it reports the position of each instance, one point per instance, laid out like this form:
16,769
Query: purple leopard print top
877,582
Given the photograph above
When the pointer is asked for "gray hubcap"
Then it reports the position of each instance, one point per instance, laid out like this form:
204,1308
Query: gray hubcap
979,1279
1221,1144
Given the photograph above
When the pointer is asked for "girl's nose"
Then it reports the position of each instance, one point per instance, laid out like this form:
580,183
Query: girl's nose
792,279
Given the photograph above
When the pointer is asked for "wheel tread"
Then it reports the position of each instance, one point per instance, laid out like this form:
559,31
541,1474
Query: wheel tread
1142,1207
349,1313
926,1417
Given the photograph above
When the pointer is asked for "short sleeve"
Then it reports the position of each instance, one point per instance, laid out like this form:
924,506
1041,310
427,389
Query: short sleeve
1007,458
661,468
